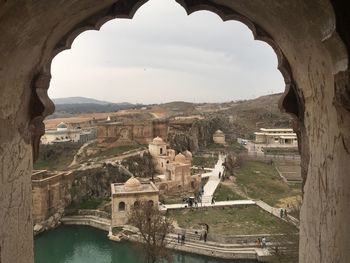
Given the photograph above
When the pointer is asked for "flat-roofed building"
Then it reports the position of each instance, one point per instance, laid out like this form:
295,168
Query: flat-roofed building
276,137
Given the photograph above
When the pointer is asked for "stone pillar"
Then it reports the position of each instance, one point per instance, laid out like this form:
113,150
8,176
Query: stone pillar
325,215
16,229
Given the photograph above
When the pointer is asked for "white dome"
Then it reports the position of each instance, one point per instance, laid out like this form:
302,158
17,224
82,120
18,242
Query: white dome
158,140
62,126
132,184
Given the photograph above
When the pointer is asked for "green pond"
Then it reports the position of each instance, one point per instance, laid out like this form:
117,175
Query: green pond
82,244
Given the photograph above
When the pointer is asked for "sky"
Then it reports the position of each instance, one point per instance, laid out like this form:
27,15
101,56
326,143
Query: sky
164,55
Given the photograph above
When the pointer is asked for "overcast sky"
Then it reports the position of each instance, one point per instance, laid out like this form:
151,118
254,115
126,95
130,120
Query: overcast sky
164,55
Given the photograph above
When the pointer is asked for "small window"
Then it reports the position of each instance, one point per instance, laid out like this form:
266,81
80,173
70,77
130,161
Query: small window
161,150
121,206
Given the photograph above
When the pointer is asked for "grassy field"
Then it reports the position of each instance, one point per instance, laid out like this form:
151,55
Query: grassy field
207,162
224,192
56,156
261,181
231,221
236,147
114,151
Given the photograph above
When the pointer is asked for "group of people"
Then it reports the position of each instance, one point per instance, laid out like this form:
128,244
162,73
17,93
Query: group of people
283,213
261,243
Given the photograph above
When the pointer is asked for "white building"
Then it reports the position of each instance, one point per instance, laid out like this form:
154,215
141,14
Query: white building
63,133
276,137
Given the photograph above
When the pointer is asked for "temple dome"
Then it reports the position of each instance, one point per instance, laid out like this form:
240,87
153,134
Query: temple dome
180,158
187,154
219,133
158,140
132,184
62,126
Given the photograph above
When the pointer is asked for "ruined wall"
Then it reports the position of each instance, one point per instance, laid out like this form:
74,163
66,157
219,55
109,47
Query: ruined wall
126,133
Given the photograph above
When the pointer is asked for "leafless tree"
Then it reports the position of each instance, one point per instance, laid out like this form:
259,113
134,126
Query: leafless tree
154,228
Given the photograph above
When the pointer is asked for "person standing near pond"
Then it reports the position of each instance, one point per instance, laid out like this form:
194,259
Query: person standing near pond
205,236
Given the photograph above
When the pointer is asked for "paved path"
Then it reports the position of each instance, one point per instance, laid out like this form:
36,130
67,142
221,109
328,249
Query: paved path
213,181
276,212
217,204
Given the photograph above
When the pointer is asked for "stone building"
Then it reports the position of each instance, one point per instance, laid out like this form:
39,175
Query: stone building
219,137
132,193
124,133
50,191
312,43
276,137
174,170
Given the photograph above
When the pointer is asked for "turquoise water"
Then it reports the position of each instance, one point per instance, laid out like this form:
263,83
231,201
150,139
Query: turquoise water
82,244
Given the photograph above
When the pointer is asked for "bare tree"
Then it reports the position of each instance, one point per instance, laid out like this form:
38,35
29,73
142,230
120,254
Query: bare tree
154,228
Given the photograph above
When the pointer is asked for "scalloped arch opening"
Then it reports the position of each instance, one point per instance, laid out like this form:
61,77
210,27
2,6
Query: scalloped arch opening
127,9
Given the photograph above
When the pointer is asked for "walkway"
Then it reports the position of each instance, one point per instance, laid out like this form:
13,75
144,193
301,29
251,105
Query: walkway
213,181
276,212
217,204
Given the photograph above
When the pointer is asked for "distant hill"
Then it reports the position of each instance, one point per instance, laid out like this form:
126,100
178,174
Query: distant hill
82,100
66,107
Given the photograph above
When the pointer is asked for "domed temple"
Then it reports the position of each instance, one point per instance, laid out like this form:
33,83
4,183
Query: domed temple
126,196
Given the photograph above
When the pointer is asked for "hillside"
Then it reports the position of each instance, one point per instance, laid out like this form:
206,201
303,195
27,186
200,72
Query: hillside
69,107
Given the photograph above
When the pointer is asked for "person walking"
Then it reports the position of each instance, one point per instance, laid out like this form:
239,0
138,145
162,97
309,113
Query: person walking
281,213
263,241
205,236
178,237
285,213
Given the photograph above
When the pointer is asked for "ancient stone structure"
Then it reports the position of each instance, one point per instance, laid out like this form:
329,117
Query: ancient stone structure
276,137
124,133
175,170
50,194
126,196
219,137
312,43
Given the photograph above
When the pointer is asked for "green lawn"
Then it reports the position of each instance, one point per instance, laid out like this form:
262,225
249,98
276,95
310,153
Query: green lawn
56,156
231,221
206,162
236,147
114,151
224,192
261,181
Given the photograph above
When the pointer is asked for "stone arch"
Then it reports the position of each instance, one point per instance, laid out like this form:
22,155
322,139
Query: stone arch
136,204
121,206
291,101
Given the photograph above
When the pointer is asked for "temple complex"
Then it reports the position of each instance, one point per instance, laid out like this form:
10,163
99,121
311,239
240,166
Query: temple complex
174,170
